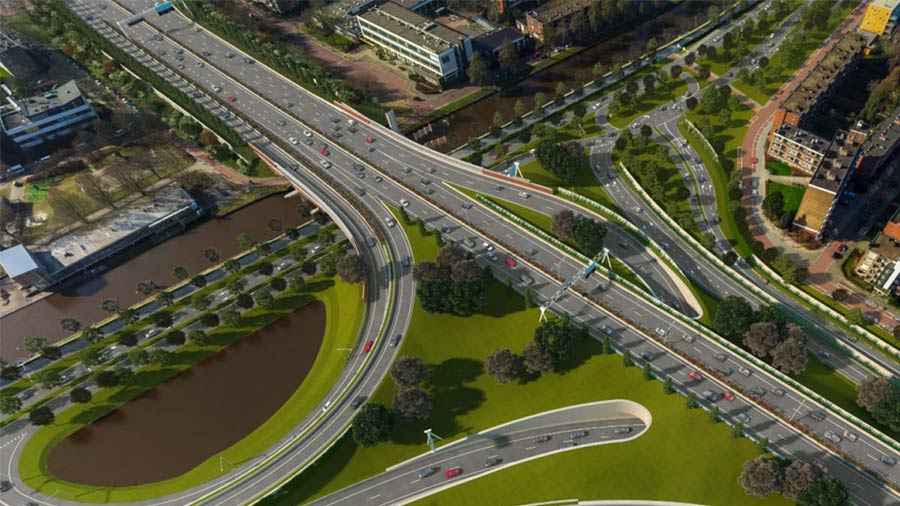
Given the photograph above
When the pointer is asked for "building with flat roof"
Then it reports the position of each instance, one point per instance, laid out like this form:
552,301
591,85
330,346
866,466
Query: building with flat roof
798,148
880,147
436,52
827,184
880,17
490,44
889,281
892,227
21,267
554,19
32,121
821,83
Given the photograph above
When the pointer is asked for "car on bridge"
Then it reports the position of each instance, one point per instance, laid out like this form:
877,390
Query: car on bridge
450,473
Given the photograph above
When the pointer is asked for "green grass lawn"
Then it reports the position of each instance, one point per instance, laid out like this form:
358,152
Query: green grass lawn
585,184
777,168
343,317
466,401
647,102
792,194
36,192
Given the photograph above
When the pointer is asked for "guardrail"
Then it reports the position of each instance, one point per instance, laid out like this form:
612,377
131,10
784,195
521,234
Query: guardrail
702,137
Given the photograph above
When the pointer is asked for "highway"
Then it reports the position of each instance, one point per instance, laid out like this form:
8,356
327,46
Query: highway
392,155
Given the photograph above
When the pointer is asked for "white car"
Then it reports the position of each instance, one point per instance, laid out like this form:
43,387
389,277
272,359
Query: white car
217,88
351,122
307,133
293,140
404,202
487,247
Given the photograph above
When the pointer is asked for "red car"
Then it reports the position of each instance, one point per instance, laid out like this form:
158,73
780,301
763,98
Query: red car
231,98
368,346
728,396
695,375
754,160
450,473
369,139
510,262
324,152
842,248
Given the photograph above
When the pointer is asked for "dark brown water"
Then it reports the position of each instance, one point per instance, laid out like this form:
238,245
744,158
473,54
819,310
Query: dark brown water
184,421
476,119
81,300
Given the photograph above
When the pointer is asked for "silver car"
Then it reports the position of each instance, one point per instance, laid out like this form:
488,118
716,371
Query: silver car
710,395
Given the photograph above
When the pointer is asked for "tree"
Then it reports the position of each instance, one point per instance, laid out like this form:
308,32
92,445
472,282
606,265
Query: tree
199,281
561,224
127,338
92,356
41,415
70,324
164,299
760,477
762,445
139,357
92,334
539,100
236,286
109,305
826,491
856,317
201,302
503,365
536,358
264,299
668,386
80,395
453,283
10,404
175,338
761,338
841,294
872,390
265,268
232,266
690,103
128,177
733,316
125,376
888,410
647,371
278,284
245,300
737,431
478,71
703,72
588,235
652,45
798,475
689,59
244,241
325,237
408,372
646,131
180,273
297,283
93,187
773,205
67,204
162,319
352,269
790,356
557,338
560,94
198,336
106,379
714,414
372,424
212,256
411,404
49,378
161,357
231,318
675,71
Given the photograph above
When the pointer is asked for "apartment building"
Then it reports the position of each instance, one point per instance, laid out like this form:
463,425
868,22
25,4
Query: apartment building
556,16
33,121
798,148
436,52
881,17
827,184
881,147
821,83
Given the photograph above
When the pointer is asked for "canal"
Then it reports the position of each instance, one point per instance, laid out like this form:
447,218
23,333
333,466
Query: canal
81,299
475,119
183,422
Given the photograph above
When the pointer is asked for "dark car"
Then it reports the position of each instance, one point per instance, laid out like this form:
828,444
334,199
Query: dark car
576,434
358,401
395,341
428,471
492,461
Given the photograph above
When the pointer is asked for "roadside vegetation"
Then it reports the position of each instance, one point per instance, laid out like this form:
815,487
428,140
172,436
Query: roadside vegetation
466,366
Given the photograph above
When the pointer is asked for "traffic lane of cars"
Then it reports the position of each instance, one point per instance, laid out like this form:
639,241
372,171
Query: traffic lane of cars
477,455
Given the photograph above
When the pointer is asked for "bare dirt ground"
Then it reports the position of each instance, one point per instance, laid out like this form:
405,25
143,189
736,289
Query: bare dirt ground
360,66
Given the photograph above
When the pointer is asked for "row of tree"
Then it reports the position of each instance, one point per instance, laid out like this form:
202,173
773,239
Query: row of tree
553,344
453,283
881,398
565,161
586,233
764,476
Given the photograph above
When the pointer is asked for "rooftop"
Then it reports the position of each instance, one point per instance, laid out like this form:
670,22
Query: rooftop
813,208
88,240
837,163
802,99
17,261
884,137
496,39
556,9
19,112
804,138
413,27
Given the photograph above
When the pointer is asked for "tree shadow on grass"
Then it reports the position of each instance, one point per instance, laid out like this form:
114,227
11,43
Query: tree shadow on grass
585,348
502,300
450,398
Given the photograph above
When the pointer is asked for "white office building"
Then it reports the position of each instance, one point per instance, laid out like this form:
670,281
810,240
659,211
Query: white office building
32,121
437,53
